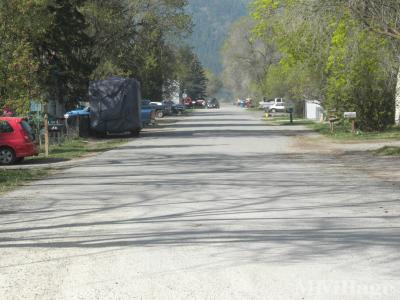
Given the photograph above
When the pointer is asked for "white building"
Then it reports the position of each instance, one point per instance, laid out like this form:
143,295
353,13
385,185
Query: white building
313,110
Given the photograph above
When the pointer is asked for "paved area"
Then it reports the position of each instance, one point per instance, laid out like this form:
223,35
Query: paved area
217,206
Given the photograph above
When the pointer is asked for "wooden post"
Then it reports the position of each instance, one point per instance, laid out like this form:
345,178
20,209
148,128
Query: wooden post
78,126
46,135
351,115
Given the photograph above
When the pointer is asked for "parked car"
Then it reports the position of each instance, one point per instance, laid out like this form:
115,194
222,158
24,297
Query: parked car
267,104
172,108
178,109
213,103
158,107
147,114
188,102
278,107
83,111
249,103
241,103
17,140
200,103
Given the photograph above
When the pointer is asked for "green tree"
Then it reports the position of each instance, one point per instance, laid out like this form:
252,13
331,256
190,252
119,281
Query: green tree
20,23
191,74
357,78
66,60
50,49
381,17
327,52
214,84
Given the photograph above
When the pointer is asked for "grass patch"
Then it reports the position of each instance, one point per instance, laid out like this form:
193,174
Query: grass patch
10,179
388,151
285,121
342,129
343,132
80,147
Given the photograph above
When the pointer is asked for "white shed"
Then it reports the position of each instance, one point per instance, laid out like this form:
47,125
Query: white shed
313,110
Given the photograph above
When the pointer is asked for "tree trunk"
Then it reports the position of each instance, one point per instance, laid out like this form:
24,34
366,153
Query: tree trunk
397,103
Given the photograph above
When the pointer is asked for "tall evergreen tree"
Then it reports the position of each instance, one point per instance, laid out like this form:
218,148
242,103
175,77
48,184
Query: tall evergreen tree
65,52
191,75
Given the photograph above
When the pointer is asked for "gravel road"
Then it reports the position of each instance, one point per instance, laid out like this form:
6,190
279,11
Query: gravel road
216,206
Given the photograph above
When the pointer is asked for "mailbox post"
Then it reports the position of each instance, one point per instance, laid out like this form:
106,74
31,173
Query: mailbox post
351,115
290,110
332,119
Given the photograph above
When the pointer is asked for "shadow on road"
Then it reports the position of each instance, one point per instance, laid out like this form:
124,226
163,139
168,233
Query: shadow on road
270,207
282,207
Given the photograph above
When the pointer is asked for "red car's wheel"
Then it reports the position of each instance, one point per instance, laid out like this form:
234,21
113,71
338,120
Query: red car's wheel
7,156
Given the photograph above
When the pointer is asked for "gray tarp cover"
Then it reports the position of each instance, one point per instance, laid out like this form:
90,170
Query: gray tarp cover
115,105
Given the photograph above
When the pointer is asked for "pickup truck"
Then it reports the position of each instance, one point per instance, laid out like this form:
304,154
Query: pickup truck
267,104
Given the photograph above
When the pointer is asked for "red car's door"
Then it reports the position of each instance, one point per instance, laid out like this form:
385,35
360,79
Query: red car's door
7,134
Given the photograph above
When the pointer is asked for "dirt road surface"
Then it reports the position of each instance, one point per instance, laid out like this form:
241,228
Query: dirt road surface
216,206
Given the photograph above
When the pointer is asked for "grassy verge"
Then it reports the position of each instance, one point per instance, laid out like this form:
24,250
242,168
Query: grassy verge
343,132
388,151
10,179
80,147
284,121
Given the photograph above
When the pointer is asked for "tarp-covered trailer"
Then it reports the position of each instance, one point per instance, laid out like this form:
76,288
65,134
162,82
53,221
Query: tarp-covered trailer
115,106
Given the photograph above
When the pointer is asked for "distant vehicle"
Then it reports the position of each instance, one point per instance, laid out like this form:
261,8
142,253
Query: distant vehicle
278,107
267,104
249,103
200,103
17,140
188,102
241,103
178,109
84,111
213,103
158,107
172,108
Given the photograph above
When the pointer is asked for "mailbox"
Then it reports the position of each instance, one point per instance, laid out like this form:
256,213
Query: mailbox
350,115
56,127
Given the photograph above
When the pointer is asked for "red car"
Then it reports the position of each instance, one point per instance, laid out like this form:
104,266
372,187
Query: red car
17,140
